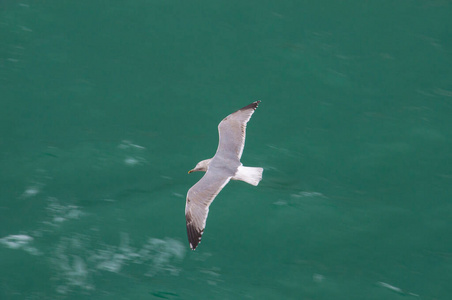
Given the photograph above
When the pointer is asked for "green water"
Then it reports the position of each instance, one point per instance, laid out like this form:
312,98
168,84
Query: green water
105,106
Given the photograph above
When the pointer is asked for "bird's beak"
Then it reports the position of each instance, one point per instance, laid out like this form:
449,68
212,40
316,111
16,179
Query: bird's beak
190,171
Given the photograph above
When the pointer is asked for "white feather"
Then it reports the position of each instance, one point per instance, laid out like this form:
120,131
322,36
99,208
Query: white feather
251,175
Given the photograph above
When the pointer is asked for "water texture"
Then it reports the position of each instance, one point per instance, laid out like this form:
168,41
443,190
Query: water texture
105,106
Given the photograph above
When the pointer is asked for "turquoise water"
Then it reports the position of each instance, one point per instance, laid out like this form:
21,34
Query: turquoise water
107,104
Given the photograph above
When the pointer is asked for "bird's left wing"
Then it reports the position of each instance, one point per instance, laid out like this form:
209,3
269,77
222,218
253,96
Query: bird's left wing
199,198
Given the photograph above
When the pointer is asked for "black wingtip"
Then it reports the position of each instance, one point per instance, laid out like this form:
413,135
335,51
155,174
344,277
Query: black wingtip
194,234
252,105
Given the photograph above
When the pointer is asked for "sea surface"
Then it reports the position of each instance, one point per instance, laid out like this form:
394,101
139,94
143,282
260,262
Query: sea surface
105,106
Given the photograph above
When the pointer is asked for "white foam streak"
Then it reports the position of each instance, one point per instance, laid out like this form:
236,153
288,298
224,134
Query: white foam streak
19,241
76,264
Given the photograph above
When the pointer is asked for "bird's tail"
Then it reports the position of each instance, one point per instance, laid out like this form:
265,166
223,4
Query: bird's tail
251,175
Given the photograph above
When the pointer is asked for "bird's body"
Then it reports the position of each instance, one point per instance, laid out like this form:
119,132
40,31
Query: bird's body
220,169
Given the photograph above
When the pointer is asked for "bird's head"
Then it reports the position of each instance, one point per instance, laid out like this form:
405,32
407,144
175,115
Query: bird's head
201,166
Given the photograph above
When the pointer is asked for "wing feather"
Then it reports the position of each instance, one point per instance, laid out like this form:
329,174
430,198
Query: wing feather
232,131
199,198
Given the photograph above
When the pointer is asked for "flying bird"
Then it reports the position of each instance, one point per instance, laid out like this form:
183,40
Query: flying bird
221,168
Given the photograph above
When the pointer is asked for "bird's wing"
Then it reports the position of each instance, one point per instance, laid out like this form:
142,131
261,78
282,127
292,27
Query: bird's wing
232,131
199,198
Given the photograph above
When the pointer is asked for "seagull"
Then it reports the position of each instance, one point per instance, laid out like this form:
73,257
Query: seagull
221,168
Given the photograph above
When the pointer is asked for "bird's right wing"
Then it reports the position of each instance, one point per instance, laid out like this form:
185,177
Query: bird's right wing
232,131
199,198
